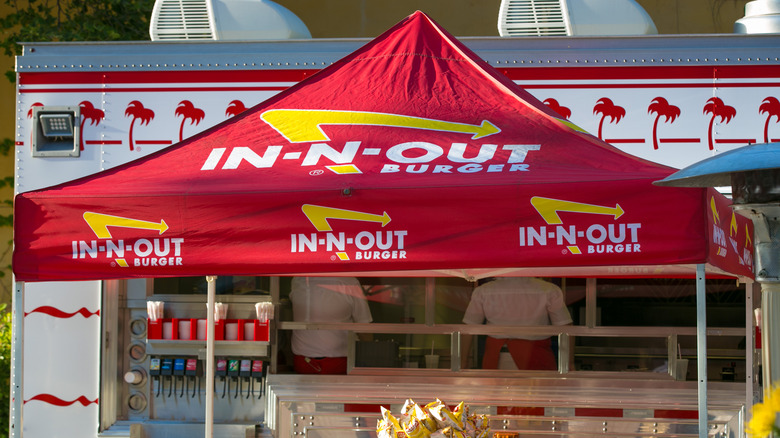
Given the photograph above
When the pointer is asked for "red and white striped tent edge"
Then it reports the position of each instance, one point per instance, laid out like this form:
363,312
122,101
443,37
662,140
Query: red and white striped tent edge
411,156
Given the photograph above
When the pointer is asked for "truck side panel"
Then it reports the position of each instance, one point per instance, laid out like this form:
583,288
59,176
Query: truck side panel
61,359
673,100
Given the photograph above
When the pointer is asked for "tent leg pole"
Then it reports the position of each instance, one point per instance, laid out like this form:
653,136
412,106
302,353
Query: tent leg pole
750,348
770,354
701,347
209,420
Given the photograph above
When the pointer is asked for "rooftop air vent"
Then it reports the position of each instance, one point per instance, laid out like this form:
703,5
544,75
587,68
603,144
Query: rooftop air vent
229,20
573,17
761,16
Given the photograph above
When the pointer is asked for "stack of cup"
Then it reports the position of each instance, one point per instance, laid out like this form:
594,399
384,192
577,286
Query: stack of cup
265,311
154,309
220,311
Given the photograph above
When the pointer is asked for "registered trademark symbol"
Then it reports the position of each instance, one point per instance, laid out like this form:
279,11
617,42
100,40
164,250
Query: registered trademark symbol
113,264
333,258
563,251
138,148
316,172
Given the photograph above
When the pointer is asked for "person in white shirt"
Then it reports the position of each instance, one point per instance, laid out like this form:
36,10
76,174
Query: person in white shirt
516,301
325,299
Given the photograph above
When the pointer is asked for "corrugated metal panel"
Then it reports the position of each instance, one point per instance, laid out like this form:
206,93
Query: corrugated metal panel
181,20
533,18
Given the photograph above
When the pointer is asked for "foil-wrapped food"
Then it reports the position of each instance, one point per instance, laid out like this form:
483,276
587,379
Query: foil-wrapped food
434,420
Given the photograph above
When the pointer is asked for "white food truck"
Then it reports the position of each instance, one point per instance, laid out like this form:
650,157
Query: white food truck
88,363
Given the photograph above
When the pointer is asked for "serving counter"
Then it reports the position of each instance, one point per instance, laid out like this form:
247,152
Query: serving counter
348,406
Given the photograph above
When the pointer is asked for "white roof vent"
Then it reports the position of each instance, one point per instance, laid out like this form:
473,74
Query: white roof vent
573,17
228,20
761,16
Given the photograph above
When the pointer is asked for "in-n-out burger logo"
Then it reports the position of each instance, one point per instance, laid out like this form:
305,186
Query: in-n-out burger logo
722,243
305,126
596,238
718,235
361,245
137,252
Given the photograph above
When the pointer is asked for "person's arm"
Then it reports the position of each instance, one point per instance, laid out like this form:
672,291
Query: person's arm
360,309
465,350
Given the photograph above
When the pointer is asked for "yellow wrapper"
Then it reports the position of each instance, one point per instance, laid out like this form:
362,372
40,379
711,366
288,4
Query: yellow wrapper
485,433
416,430
391,420
481,421
445,418
461,412
407,411
425,418
384,429
450,432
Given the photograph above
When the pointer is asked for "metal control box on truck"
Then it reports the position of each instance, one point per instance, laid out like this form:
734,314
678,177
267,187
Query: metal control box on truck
84,362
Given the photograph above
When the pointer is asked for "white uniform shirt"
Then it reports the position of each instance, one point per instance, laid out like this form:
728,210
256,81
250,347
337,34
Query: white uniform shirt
517,301
326,299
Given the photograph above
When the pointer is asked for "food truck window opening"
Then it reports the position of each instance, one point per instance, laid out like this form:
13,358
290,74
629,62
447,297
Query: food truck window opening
636,319
618,302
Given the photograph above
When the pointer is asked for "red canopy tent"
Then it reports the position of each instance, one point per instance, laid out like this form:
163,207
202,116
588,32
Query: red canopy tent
410,156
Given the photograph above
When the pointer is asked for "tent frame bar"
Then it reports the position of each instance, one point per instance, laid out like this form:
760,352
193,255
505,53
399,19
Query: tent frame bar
701,347
211,294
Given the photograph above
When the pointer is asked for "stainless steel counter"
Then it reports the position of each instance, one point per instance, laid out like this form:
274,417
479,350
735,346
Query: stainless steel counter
534,405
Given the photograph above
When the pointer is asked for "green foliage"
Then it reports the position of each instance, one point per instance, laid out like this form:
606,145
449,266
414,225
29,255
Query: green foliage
53,21
6,146
73,20
5,366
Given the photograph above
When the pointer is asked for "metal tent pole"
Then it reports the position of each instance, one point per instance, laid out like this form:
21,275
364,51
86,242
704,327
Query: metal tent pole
701,347
750,347
209,420
770,327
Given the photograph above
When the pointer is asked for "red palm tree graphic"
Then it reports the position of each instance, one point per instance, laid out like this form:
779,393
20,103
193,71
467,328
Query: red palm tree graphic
94,115
29,116
30,111
717,108
770,106
555,106
661,108
138,112
235,108
606,108
188,111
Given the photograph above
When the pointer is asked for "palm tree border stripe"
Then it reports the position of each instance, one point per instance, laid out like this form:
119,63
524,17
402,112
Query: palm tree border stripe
717,108
99,142
137,111
771,106
188,111
607,108
89,112
662,108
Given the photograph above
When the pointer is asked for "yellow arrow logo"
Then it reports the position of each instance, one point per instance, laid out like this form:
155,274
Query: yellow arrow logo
319,215
572,126
548,208
99,224
748,240
715,215
733,229
306,125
